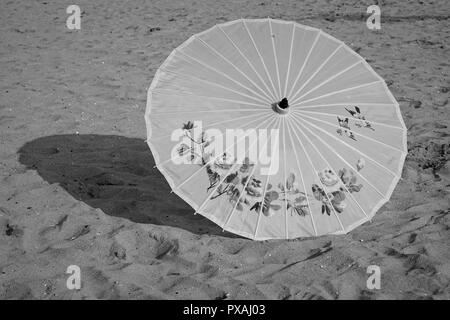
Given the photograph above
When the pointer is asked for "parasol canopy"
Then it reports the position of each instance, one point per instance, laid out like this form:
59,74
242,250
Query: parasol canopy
275,130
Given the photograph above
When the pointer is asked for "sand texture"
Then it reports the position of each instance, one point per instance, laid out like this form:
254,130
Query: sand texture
77,184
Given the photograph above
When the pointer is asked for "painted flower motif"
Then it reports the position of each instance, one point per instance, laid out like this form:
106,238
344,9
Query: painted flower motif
330,201
334,186
213,177
359,121
244,189
254,188
296,200
349,179
333,196
328,177
300,206
223,164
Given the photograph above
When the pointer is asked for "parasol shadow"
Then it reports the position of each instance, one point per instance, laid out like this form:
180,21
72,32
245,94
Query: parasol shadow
116,175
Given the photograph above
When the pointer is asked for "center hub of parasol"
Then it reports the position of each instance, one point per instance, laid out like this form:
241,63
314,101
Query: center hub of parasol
282,107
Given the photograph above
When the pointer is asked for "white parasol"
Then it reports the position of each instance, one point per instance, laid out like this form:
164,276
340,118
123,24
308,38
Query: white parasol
272,129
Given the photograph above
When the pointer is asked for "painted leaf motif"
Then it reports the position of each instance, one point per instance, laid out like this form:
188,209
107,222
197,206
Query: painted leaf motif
301,211
328,209
338,209
183,149
212,175
188,126
353,178
338,196
318,192
256,206
271,196
290,181
266,203
355,188
344,177
232,178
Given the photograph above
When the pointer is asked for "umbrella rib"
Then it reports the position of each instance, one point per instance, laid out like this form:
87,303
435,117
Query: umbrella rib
346,162
230,215
192,148
260,56
272,36
181,93
284,180
353,119
303,181
294,99
299,105
359,134
326,81
225,176
320,181
343,90
235,67
360,152
290,60
306,60
216,84
248,61
264,194
217,71
328,164
214,159
217,123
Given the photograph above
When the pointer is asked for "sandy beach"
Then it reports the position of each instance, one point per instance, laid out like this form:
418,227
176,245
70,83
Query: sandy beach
78,187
